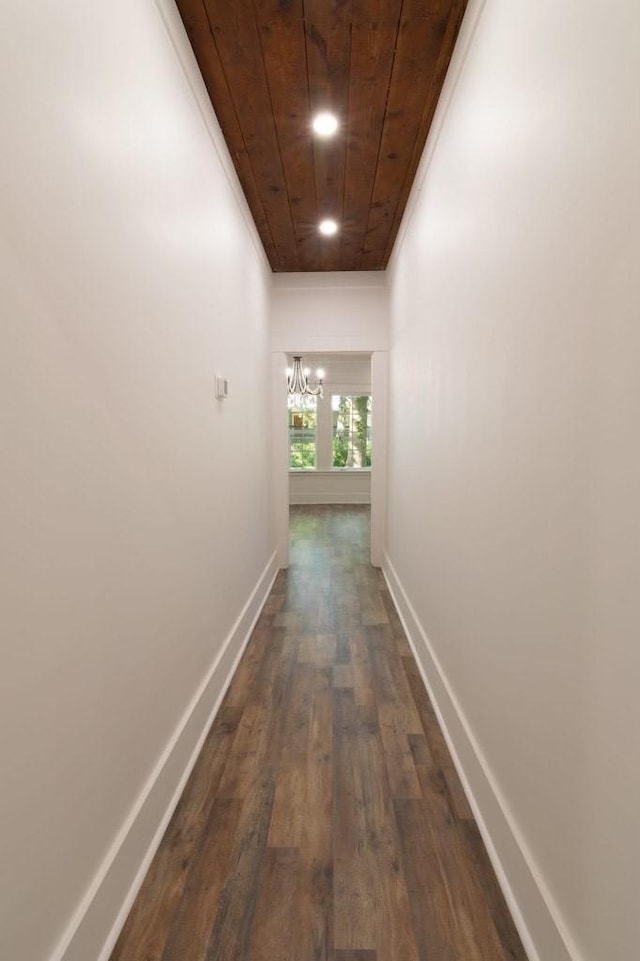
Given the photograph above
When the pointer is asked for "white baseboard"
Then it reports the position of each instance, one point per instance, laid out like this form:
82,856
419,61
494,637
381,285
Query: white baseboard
329,497
543,934
96,924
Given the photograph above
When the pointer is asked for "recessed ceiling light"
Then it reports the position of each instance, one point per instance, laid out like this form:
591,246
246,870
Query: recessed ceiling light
328,227
325,124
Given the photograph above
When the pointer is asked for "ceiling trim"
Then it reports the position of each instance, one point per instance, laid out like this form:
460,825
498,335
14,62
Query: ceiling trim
327,279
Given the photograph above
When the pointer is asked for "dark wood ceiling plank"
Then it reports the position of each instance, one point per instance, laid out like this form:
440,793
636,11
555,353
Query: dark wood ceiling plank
379,64
197,27
236,38
373,42
454,22
281,29
425,43
328,45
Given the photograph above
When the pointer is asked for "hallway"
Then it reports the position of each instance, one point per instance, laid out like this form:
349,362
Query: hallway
324,818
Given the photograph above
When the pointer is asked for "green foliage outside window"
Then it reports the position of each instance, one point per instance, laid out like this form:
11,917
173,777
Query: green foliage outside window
351,431
302,434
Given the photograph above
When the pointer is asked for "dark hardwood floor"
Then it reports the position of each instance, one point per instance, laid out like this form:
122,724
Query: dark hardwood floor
324,820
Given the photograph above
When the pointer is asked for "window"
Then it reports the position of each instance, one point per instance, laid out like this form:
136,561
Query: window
302,433
351,419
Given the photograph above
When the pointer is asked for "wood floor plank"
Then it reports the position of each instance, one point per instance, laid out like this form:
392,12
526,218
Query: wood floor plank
325,613
427,714
326,648
398,718
392,613
153,915
298,718
395,939
450,913
339,955
272,933
420,750
250,665
291,619
343,652
242,763
354,904
191,932
287,818
459,800
363,681
273,604
438,746
394,688
236,905
313,909
342,675
511,945
324,819
397,754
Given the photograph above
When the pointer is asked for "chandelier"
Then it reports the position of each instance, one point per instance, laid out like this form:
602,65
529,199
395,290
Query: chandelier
298,380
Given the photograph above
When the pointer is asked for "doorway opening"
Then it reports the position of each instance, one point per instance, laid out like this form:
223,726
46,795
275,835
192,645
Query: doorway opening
330,451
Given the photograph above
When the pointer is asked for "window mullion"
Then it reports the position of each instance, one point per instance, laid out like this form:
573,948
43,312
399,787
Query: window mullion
324,448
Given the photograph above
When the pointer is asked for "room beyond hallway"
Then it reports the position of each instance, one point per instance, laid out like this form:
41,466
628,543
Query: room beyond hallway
324,818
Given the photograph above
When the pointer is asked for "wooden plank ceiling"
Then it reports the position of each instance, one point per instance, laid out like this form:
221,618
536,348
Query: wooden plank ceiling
269,65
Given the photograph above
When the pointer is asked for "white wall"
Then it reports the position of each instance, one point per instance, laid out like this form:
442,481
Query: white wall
514,525
133,534
330,487
329,311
